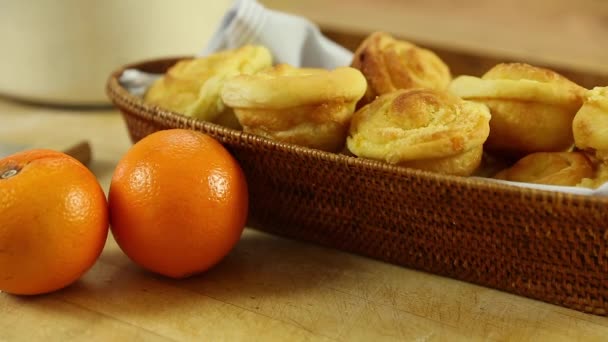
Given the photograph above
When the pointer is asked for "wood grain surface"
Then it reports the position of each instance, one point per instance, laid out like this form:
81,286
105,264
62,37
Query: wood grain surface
268,288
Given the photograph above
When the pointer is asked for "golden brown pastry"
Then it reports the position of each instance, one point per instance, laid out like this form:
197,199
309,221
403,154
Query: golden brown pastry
192,87
532,108
423,129
304,106
389,64
599,177
590,125
554,168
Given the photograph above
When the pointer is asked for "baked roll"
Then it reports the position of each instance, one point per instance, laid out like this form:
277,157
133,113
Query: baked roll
304,106
554,168
532,108
389,64
599,177
192,87
423,129
590,124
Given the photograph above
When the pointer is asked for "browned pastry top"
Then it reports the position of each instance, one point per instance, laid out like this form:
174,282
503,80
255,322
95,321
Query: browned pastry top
417,124
520,82
285,86
389,64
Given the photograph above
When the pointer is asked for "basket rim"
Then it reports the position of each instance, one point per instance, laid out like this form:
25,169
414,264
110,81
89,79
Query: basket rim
121,98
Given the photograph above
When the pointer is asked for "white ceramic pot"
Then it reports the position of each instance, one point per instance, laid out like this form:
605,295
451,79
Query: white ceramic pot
61,52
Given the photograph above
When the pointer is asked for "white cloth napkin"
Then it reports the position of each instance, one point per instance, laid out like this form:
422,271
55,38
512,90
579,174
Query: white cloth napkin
291,39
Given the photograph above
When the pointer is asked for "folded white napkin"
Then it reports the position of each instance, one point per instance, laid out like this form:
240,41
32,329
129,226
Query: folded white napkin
291,39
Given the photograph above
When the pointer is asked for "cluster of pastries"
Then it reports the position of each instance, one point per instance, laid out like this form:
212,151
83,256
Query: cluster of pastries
398,103
242,89
192,87
554,128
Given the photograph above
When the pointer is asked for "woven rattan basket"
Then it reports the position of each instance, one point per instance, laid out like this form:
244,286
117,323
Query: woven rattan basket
544,245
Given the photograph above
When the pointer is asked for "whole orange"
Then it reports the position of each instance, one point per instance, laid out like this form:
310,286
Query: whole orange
53,221
178,202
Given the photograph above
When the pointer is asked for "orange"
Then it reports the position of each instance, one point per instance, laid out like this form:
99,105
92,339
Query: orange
178,202
53,221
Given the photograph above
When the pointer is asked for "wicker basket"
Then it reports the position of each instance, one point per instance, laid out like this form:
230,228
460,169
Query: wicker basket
543,245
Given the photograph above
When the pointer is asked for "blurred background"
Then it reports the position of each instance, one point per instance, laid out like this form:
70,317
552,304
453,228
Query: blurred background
61,52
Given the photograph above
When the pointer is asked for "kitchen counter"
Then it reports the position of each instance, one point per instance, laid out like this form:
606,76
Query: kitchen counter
268,288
